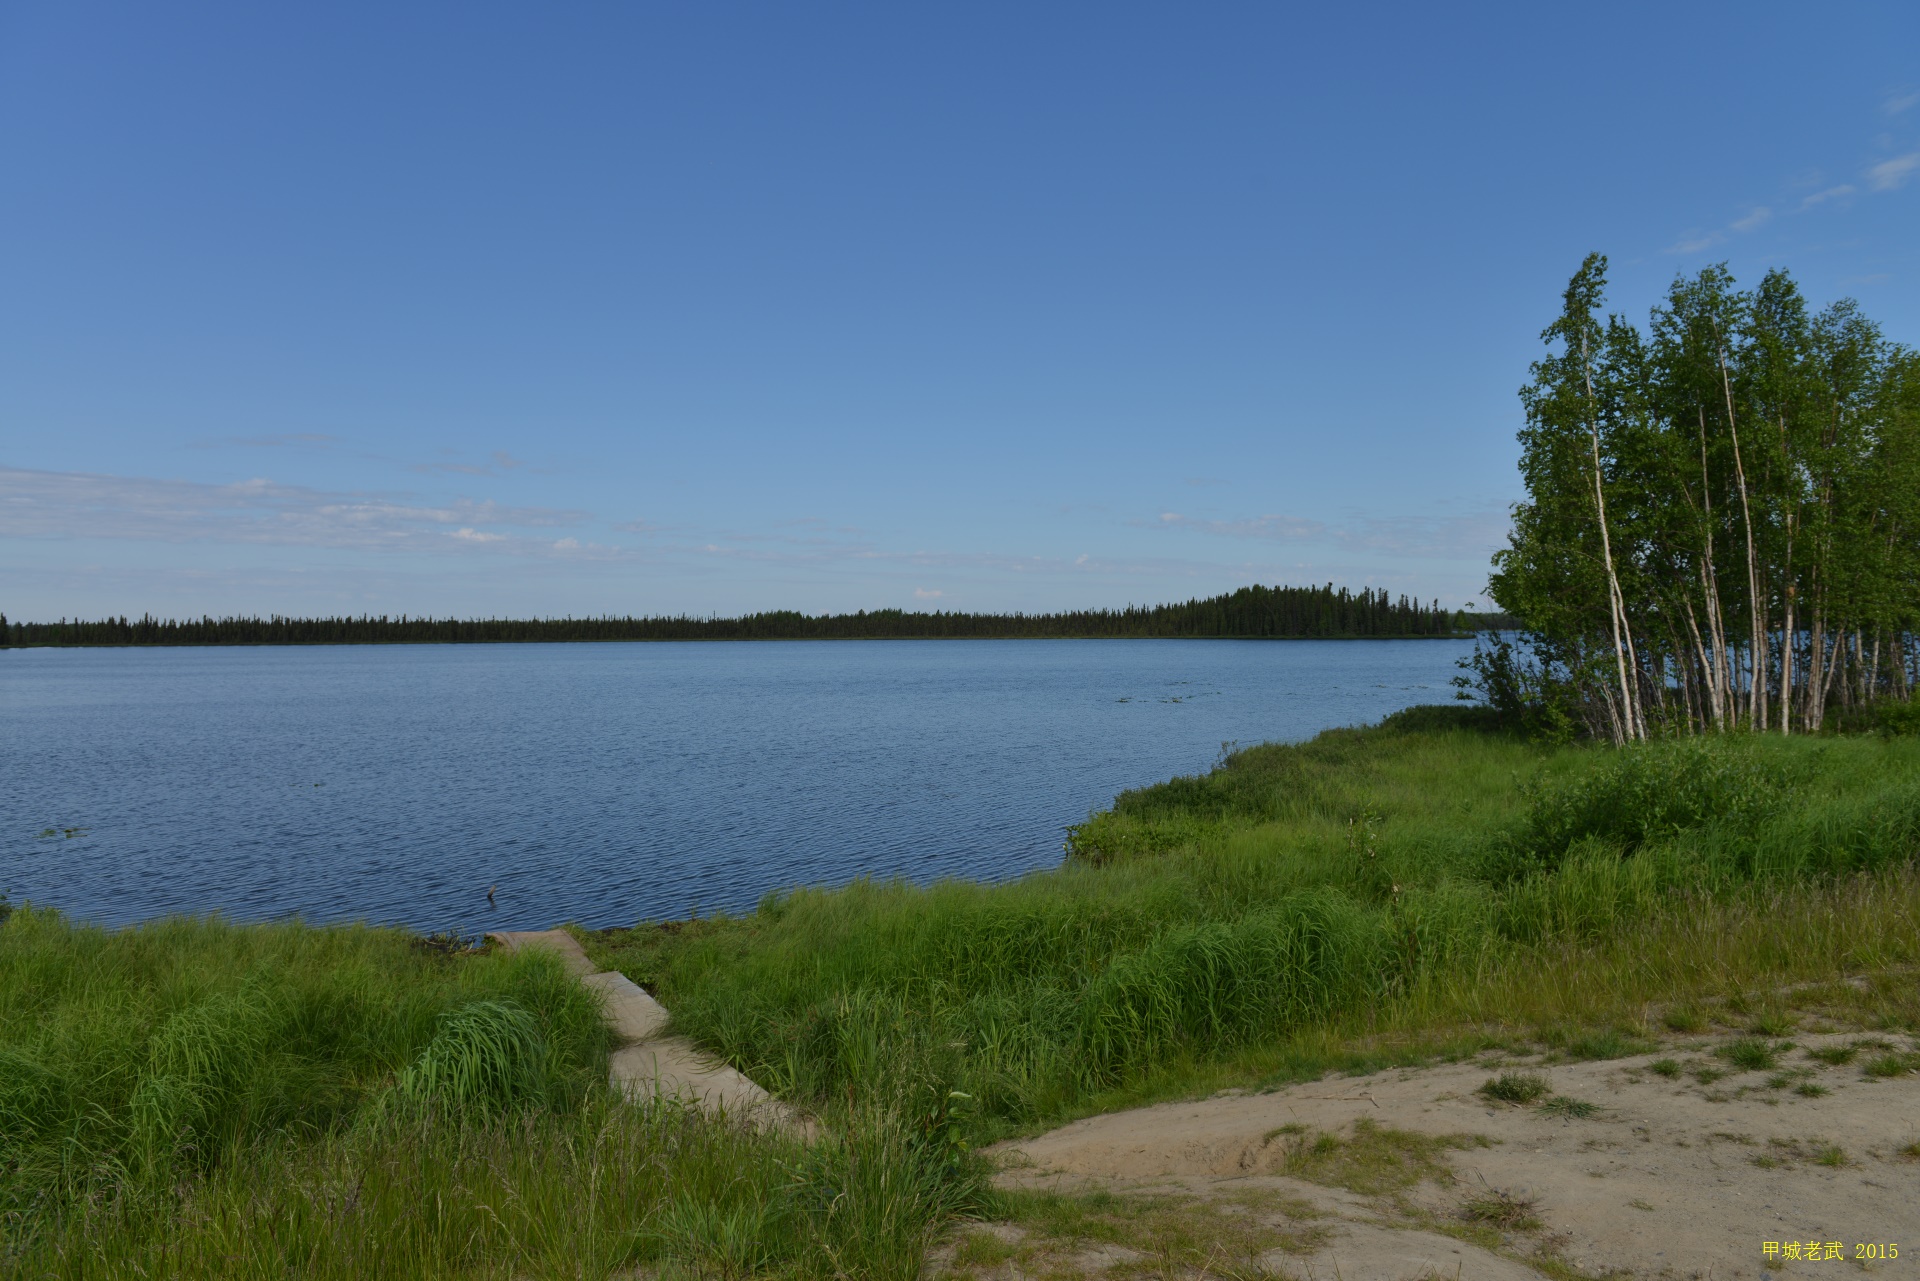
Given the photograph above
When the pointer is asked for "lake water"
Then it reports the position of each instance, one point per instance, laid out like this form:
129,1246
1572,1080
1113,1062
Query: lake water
618,782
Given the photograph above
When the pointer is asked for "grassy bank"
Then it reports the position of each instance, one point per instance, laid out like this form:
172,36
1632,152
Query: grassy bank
194,1098
1372,895
199,1099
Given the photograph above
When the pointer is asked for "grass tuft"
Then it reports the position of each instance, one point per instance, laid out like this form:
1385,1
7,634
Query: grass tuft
1500,1209
1882,1066
1515,1087
1561,1105
1685,1018
1750,1054
485,1055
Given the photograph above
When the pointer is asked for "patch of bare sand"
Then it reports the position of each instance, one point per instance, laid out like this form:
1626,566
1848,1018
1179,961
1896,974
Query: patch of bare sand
1685,1174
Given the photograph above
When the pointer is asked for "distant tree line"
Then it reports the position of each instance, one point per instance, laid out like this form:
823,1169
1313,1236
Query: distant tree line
1722,522
1250,612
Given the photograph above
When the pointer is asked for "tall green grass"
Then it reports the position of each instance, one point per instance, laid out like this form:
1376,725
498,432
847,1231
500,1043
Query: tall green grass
193,1098
597,1190
129,1057
1359,877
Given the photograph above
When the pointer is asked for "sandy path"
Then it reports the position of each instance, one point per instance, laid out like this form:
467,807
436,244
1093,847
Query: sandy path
1672,1176
648,1063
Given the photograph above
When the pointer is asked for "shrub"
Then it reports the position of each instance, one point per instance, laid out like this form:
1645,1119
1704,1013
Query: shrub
1646,793
1442,718
1898,718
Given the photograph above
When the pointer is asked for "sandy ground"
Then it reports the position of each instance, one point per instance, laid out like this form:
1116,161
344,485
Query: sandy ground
1671,1177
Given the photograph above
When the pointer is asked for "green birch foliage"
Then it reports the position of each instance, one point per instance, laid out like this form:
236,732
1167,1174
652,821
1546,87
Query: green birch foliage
1760,471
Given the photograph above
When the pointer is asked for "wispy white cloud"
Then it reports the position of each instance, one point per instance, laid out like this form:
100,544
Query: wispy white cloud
877,560
1886,175
1279,528
1899,102
41,504
1840,192
924,593
1475,534
818,523
1889,174
1694,244
499,464
287,440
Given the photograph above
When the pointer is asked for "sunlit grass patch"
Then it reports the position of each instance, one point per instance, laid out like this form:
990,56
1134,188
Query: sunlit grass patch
1371,1159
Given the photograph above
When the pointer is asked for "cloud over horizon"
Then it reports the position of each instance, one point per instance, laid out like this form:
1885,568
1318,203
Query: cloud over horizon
66,505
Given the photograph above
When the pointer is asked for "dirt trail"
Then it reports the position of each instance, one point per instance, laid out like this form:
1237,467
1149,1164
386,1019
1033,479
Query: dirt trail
1675,1175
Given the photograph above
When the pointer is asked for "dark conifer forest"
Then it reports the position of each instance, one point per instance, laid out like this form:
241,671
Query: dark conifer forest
1250,613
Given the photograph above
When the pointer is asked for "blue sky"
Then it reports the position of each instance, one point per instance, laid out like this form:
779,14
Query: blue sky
534,309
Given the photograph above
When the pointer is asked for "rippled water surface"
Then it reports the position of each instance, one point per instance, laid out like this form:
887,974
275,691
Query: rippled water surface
611,783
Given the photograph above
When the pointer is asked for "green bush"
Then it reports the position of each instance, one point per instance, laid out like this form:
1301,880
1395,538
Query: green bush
1645,793
1898,718
1435,718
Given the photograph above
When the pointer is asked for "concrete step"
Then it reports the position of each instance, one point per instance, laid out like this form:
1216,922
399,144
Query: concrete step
650,1064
